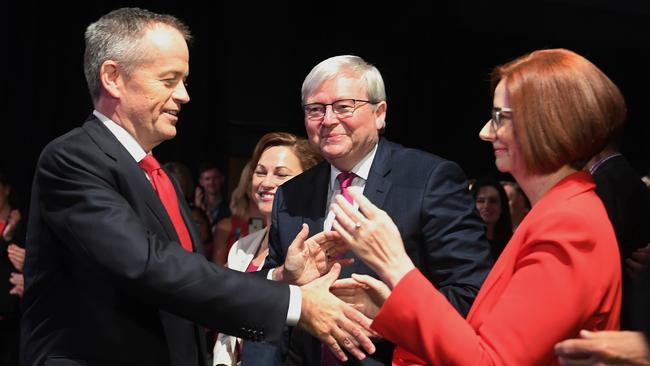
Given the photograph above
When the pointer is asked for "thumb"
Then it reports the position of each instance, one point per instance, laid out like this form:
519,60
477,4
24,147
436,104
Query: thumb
302,235
587,334
332,275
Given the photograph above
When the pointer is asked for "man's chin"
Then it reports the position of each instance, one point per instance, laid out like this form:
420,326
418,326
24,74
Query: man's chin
333,149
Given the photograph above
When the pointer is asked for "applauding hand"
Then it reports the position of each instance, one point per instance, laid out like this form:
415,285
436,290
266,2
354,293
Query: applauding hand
373,237
307,259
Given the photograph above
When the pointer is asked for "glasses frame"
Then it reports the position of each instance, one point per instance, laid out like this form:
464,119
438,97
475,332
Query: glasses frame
497,114
356,106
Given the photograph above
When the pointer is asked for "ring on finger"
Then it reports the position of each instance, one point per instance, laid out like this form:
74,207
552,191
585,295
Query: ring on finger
357,225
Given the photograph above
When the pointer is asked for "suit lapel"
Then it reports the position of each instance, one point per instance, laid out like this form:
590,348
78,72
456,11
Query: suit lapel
378,183
132,172
377,187
318,202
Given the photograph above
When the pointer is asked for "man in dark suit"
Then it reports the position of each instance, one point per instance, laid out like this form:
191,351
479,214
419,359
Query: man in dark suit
427,197
114,274
627,201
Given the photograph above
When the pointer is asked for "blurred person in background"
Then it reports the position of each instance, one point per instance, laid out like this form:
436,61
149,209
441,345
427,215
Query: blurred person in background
12,257
517,202
492,205
244,220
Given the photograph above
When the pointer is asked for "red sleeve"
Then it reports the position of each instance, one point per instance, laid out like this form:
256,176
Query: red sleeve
562,280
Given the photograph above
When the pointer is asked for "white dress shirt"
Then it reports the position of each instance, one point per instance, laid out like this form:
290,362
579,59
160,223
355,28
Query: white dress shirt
361,171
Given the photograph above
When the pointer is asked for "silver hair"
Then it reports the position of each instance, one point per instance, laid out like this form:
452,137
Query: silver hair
117,36
334,66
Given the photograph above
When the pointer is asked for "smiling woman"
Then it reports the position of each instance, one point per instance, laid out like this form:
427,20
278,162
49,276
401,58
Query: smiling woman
543,287
278,157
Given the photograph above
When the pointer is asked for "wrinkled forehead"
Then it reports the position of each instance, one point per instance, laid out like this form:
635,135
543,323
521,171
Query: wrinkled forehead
340,87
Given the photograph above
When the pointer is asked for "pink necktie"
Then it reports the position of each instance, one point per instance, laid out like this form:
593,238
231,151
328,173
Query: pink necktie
345,181
327,358
167,194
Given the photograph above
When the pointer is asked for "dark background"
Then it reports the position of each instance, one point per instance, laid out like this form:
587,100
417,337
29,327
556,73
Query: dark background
249,59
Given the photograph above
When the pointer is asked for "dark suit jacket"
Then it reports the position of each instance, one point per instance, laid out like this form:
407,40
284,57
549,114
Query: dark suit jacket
627,201
107,282
427,198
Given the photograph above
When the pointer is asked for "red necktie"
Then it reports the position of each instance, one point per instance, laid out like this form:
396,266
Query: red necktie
345,181
167,194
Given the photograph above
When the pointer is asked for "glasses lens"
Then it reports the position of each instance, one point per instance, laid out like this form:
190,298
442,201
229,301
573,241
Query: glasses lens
314,110
344,108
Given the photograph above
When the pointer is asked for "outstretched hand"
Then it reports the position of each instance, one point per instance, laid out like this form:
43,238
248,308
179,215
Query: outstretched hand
604,348
367,294
308,259
373,237
333,322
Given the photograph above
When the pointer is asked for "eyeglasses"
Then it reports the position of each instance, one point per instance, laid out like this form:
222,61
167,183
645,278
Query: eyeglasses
497,117
343,108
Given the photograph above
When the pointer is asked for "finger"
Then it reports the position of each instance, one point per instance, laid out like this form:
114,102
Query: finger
581,361
350,343
577,348
640,256
332,275
345,283
345,235
333,345
345,217
342,261
344,296
634,266
337,251
326,237
375,285
304,232
352,212
301,236
367,208
334,246
355,324
368,280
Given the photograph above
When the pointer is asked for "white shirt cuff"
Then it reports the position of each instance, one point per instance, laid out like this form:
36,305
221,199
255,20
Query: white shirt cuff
269,275
295,305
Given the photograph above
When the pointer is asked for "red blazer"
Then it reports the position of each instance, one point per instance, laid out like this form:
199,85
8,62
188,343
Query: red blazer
559,273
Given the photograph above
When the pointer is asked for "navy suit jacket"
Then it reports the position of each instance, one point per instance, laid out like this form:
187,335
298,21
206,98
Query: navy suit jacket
427,198
627,201
107,282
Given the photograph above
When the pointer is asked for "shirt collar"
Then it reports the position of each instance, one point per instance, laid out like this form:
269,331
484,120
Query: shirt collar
361,170
123,136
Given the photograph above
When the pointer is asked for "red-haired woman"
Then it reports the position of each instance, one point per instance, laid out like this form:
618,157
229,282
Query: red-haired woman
560,272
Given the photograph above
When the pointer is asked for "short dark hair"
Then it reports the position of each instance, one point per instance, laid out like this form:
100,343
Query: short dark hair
116,36
208,165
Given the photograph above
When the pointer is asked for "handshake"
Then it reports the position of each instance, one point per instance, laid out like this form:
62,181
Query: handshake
339,313
314,264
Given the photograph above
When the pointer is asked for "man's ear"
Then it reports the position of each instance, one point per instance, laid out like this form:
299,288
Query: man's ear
111,78
380,115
